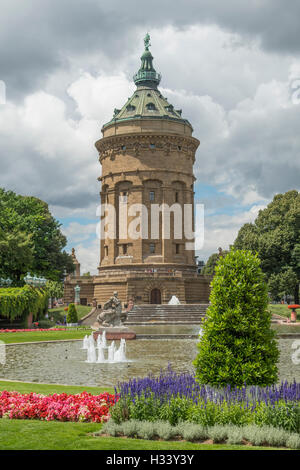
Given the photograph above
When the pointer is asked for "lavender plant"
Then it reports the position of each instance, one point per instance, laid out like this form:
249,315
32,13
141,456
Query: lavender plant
176,397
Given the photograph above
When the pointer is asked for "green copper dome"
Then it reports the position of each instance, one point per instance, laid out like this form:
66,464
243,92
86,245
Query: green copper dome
147,101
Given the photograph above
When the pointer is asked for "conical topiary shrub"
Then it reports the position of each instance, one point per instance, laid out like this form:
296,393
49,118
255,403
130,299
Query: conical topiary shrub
72,316
237,345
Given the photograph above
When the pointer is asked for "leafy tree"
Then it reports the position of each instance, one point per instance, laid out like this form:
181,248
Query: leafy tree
282,284
55,290
88,274
27,224
238,344
16,255
212,261
72,316
275,236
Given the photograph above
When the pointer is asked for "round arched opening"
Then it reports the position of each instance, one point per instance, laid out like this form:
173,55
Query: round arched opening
155,296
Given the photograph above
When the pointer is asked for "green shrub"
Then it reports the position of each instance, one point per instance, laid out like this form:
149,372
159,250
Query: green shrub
283,415
18,302
165,430
238,344
293,441
72,316
255,434
234,436
231,434
146,430
218,433
111,428
129,428
192,432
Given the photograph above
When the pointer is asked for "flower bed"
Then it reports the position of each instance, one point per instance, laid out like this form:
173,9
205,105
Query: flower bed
179,397
21,330
60,407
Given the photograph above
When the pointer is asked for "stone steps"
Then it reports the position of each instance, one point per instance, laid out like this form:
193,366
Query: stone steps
162,314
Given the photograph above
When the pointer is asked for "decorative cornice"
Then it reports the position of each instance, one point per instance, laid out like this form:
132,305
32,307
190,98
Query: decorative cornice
135,144
144,174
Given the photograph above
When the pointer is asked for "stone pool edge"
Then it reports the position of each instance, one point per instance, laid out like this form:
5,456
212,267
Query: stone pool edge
146,336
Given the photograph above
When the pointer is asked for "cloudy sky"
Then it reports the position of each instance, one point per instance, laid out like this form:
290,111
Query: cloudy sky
233,67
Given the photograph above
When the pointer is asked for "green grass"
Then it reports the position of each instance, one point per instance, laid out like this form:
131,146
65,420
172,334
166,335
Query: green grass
286,328
281,309
47,389
43,336
54,435
82,310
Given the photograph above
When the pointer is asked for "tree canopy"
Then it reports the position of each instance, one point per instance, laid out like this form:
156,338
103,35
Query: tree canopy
212,261
30,239
275,236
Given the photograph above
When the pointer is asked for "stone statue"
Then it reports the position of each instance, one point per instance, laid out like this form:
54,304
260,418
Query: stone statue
112,314
147,42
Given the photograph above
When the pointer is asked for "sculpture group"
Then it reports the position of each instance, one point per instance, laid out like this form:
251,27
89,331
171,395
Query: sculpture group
112,315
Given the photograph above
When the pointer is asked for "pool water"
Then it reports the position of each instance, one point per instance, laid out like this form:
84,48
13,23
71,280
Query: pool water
64,362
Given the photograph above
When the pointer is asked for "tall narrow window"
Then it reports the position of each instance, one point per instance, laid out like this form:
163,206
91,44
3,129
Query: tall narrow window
125,249
177,248
151,195
123,197
176,196
152,248
106,251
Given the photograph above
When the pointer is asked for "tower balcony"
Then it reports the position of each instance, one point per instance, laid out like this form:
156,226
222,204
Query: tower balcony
142,77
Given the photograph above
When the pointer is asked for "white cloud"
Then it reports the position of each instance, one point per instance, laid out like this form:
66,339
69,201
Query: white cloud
221,230
236,96
88,256
79,232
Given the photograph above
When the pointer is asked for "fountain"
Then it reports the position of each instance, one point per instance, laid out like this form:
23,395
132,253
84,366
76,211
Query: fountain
174,300
85,342
113,355
91,350
120,355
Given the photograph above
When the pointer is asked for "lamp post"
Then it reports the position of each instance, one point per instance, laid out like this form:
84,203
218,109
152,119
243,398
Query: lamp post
77,294
35,281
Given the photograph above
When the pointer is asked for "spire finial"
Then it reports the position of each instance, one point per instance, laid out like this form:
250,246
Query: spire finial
147,42
147,76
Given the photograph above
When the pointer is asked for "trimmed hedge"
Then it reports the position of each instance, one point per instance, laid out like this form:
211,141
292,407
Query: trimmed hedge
18,302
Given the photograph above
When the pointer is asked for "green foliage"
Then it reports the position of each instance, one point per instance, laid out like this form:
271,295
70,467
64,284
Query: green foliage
282,284
55,289
16,254
256,435
211,263
18,302
238,345
275,236
150,409
30,239
72,316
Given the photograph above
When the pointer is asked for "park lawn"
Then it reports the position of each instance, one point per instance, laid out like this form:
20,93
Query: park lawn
47,389
54,435
281,309
290,328
82,310
29,336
